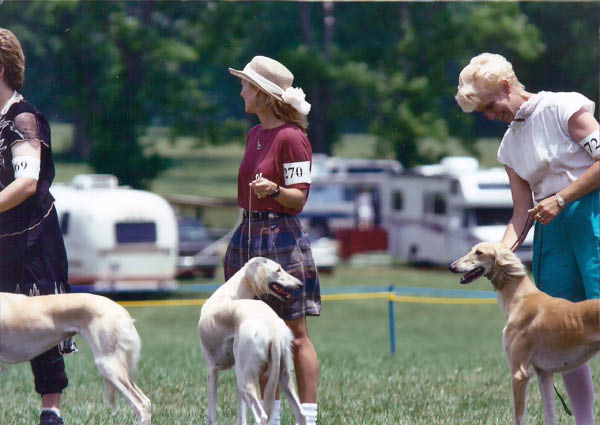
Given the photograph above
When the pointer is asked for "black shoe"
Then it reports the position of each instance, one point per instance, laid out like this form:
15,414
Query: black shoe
50,418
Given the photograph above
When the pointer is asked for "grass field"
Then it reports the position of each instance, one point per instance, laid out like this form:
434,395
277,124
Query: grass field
449,367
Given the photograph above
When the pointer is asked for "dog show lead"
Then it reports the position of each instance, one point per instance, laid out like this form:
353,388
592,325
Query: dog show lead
551,153
33,260
280,154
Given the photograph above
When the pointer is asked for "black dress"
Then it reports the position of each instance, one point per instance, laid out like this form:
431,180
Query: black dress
33,260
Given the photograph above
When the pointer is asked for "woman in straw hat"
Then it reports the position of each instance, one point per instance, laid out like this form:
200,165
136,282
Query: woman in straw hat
551,148
33,260
273,185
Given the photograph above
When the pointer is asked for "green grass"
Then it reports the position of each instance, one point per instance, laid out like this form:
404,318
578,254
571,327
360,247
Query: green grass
449,369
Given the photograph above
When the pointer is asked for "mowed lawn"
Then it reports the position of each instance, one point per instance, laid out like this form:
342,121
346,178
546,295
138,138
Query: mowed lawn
449,368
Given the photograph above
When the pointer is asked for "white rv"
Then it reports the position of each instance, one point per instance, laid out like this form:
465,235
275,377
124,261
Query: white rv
117,238
436,214
432,214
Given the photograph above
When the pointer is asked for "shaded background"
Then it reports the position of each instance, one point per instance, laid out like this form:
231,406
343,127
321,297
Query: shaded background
113,69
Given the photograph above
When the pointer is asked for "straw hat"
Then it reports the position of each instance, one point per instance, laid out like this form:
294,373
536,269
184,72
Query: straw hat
274,79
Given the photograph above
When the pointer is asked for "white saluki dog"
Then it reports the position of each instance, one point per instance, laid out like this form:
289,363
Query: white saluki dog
236,329
30,326
549,334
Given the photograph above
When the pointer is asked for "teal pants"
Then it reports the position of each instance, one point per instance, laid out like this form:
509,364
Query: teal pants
566,252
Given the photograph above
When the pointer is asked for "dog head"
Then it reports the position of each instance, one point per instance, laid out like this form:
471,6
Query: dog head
266,277
492,260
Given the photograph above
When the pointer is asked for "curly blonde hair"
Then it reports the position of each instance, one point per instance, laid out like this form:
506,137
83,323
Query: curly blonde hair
12,59
482,77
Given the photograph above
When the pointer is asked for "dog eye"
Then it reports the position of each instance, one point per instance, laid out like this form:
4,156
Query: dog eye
478,252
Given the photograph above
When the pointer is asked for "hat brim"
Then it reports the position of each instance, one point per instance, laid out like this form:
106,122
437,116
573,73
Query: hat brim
243,76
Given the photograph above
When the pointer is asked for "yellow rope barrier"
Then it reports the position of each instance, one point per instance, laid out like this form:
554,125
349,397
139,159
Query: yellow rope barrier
390,296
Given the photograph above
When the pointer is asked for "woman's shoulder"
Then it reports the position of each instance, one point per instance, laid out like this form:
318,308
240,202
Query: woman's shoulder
550,99
290,131
20,107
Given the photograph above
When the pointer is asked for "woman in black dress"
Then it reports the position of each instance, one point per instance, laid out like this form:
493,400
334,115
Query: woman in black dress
33,260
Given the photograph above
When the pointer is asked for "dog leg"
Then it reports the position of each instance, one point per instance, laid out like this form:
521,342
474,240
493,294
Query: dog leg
287,386
247,395
211,386
116,373
520,379
547,393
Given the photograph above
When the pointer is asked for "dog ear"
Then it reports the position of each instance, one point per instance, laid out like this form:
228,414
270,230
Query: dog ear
254,273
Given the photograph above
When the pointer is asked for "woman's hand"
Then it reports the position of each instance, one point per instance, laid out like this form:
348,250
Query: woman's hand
289,197
545,210
263,187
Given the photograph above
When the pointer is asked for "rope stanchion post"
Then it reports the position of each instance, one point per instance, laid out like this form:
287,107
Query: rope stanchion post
392,320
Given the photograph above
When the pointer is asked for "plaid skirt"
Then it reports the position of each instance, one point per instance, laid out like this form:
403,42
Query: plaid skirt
283,240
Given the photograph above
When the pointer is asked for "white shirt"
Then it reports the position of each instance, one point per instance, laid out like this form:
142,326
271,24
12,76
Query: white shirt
16,97
540,149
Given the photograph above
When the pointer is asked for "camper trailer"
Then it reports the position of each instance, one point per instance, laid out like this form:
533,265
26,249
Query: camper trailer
438,212
432,214
117,238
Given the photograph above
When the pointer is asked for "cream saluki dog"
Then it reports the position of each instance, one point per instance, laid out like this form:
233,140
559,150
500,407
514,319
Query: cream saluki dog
549,334
236,329
31,325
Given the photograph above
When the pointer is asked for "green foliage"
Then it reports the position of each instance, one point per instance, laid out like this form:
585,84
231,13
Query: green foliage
115,68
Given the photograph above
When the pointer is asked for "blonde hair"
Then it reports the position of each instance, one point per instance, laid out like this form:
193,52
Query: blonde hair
483,77
12,59
282,110
286,113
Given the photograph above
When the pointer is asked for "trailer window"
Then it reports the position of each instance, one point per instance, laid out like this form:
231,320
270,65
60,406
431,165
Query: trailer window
397,201
489,216
141,232
435,203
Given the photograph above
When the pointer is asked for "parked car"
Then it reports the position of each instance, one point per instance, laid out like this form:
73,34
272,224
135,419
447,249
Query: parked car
197,254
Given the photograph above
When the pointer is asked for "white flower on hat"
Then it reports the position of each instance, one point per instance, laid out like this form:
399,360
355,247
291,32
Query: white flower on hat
294,96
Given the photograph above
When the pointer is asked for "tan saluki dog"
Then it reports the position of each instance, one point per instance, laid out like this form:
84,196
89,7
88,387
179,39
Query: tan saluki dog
30,326
236,329
542,333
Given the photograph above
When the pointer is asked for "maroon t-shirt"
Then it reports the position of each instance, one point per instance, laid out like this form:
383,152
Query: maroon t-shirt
283,155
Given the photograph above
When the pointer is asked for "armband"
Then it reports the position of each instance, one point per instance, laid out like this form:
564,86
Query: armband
26,166
591,144
296,172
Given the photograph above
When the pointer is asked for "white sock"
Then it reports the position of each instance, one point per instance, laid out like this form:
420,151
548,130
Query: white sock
52,409
310,410
275,413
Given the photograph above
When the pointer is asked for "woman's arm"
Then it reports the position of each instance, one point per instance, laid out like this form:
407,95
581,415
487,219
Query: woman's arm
22,187
581,124
518,226
289,197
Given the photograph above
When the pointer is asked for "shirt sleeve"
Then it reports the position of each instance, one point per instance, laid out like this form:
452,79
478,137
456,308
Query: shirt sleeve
569,103
296,160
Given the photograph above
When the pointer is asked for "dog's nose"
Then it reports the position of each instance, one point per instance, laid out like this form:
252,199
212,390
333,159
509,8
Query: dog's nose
452,267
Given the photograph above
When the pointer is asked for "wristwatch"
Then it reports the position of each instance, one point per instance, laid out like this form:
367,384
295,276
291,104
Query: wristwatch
560,200
275,194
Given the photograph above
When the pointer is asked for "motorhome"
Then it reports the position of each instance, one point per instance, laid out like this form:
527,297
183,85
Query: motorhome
117,238
438,212
432,214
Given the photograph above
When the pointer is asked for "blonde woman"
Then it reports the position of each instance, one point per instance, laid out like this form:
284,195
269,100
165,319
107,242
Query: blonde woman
273,185
551,152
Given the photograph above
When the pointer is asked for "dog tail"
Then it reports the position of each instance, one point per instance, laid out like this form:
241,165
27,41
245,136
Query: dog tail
279,353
